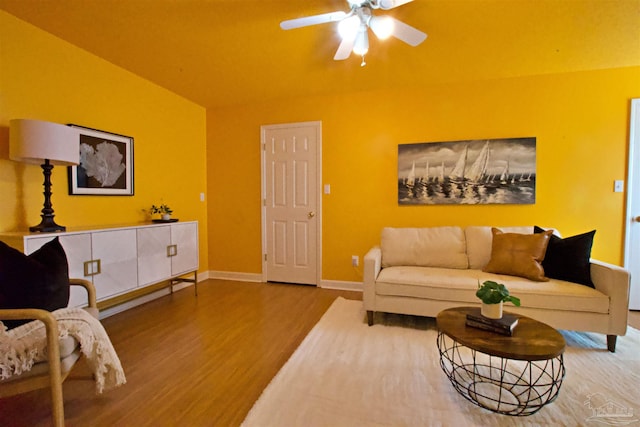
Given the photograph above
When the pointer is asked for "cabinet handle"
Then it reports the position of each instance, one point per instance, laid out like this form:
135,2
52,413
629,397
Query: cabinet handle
92,267
172,250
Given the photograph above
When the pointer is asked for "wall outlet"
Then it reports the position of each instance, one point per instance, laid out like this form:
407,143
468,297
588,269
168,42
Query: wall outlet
355,260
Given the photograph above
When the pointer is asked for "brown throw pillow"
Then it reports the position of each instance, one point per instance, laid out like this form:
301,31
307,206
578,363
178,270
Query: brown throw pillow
518,254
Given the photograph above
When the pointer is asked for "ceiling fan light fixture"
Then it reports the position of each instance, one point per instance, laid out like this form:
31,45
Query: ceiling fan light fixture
353,27
382,26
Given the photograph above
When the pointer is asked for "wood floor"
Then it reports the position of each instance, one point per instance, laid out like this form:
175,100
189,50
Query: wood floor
191,361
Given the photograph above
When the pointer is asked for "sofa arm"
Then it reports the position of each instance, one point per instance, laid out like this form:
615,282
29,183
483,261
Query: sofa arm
372,266
614,282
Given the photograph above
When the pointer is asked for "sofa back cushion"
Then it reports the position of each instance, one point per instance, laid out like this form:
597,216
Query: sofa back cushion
479,240
426,247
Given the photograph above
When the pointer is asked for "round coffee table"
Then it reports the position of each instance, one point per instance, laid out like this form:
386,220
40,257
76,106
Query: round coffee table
512,375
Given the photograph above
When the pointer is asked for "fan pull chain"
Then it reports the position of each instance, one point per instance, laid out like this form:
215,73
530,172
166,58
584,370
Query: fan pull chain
363,63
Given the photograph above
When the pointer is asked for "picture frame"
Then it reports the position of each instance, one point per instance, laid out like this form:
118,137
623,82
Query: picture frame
97,149
468,172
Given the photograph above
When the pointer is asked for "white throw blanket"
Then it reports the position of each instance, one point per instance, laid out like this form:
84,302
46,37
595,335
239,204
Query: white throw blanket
22,347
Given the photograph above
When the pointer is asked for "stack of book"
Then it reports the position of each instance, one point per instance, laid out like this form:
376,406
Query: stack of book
503,326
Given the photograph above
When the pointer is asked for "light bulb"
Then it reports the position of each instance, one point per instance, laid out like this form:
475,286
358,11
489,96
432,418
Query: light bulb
382,26
361,46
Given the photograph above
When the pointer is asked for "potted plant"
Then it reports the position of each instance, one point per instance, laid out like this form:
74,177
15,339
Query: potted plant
164,210
492,295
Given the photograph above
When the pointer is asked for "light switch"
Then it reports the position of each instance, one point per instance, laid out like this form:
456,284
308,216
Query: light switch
618,186
327,189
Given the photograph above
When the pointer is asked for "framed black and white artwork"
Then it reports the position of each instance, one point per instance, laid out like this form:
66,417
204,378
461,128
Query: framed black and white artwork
489,171
106,164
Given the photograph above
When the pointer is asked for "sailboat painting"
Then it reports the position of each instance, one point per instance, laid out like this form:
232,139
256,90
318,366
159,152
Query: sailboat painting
491,171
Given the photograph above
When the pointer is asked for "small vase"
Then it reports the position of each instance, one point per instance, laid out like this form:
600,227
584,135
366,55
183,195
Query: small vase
492,311
166,217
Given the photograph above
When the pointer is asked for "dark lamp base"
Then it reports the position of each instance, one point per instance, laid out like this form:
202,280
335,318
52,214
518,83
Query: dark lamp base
47,225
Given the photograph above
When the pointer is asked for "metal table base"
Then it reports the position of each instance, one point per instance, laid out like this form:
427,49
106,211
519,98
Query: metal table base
506,386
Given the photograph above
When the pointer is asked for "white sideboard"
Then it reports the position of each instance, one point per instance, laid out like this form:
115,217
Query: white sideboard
122,261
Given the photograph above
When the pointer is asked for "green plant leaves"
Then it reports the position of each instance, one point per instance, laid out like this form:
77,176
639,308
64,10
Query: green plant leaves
491,292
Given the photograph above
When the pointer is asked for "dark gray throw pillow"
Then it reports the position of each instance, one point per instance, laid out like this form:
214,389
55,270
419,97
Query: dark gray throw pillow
568,258
39,280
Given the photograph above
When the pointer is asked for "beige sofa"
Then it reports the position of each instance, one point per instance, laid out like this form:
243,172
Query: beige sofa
421,271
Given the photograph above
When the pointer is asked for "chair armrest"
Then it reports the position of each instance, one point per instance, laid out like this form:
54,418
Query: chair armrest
51,328
372,267
614,282
91,290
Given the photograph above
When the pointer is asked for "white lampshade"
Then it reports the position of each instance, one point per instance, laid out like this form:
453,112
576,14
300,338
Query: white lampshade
33,141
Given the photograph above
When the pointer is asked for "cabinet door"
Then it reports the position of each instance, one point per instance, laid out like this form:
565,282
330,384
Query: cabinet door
154,264
185,238
78,250
117,252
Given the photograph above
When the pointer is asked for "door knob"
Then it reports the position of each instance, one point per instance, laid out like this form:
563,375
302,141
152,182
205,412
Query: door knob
636,219
311,214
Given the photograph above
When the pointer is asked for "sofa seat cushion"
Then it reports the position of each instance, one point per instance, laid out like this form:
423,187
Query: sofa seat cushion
436,283
425,247
446,284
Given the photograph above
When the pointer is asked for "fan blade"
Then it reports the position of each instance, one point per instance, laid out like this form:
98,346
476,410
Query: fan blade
407,33
346,46
312,20
390,4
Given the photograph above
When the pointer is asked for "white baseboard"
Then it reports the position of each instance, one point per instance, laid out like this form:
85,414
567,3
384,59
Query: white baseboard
341,285
230,275
257,277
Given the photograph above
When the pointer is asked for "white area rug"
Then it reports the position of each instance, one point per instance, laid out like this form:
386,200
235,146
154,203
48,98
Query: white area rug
346,373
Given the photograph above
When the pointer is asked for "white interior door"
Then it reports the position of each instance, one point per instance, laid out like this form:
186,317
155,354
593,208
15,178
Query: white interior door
291,214
632,241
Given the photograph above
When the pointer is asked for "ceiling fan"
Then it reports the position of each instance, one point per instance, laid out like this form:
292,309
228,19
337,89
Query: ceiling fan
353,26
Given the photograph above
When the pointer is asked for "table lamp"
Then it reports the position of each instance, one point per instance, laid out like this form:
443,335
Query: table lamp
47,144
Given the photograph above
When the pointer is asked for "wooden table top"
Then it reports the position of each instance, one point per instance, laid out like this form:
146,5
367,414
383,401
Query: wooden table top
531,340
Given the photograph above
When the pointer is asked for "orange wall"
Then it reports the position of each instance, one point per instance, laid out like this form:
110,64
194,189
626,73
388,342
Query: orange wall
580,121
45,78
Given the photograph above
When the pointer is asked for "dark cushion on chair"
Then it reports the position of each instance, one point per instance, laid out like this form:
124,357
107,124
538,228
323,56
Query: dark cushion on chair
39,280
569,258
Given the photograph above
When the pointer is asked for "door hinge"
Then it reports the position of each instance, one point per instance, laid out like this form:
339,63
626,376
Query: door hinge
265,257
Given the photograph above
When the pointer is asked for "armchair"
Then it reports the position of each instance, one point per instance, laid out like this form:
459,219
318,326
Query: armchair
62,354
